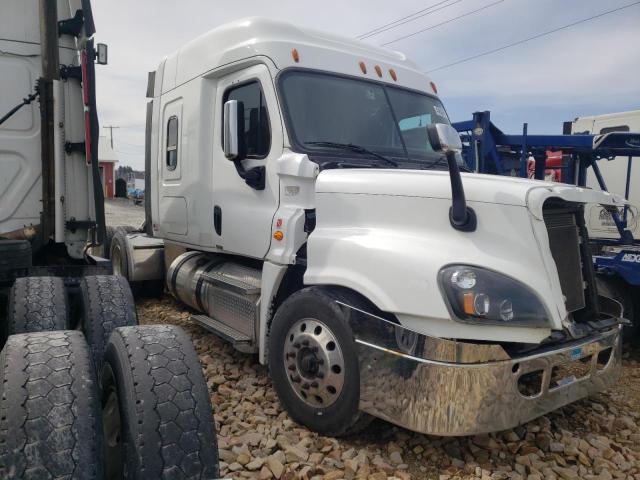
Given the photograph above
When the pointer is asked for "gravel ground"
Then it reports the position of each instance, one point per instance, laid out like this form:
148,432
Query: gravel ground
596,438
122,211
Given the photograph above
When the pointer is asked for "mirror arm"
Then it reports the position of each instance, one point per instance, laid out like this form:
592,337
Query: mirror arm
254,177
461,216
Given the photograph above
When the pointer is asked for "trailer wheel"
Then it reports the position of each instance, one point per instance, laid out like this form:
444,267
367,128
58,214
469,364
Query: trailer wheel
614,287
106,303
120,261
37,304
49,408
314,365
110,233
157,414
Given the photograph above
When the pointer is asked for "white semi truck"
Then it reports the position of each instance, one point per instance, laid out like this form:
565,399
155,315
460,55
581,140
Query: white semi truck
614,172
305,198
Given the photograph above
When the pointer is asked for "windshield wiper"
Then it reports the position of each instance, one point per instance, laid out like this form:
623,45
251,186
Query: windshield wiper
443,161
354,148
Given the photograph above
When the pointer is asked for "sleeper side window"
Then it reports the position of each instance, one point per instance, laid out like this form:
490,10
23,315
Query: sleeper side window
257,131
621,128
172,143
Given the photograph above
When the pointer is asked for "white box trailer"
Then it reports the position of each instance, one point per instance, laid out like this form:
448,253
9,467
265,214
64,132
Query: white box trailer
307,190
83,389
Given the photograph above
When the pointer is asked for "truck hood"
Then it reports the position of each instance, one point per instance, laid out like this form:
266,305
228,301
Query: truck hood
478,187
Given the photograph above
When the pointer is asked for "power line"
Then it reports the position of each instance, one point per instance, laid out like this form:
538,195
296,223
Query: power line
442,23
519,42
409,18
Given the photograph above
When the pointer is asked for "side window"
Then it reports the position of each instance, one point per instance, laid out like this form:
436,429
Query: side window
257,132
621,128
172,143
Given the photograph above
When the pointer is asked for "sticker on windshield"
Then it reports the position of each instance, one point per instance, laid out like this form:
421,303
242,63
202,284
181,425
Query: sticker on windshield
440,111
371,94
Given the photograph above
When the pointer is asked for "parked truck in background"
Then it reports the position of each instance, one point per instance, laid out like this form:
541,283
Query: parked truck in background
83,388
614,171
304,190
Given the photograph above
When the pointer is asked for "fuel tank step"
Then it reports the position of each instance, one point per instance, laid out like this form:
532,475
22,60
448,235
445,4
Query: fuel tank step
239,340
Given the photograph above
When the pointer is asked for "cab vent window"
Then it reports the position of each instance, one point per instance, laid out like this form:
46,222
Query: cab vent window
257,134
621,128
172,143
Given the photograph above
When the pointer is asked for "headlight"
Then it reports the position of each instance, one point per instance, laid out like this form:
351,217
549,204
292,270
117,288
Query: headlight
482,296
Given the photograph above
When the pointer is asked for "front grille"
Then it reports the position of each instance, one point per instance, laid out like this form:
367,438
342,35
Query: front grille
564,241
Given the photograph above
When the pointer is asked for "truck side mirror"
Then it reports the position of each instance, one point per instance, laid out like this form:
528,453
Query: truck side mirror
102,52
233,128
444,138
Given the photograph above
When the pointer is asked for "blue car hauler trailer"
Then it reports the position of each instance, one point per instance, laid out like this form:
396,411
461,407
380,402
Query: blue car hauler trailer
617,260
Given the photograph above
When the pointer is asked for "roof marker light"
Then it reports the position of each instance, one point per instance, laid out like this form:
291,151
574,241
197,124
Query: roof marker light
363,67
295,55
392,72
378,70
434,88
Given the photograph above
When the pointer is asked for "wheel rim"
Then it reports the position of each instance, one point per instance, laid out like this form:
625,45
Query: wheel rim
116,260
314,363
111,427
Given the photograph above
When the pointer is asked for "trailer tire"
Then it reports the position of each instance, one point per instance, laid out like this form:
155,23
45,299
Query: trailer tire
106,303
157,412
49,408
319,390
110,232
37,304
616,288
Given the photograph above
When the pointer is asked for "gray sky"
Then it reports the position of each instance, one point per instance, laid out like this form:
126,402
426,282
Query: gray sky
588,69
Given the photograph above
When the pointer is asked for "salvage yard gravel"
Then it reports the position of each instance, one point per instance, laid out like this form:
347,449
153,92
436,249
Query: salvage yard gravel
595,438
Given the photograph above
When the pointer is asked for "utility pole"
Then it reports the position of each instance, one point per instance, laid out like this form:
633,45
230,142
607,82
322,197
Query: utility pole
110,127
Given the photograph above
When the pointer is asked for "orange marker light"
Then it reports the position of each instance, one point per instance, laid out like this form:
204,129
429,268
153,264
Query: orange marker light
363,67
468,303
434,88
295,55
392,72
378,70
278,235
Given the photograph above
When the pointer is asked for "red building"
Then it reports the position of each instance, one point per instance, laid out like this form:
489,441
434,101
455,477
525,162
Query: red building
107,159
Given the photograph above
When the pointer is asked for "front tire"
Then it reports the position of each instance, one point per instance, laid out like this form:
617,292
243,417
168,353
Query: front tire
314,365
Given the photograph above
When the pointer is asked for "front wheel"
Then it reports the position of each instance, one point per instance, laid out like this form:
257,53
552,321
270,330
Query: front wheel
314,364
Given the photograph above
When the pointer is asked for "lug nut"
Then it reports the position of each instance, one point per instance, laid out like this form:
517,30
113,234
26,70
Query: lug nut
296,345
292,367
295,379
305,386
314,384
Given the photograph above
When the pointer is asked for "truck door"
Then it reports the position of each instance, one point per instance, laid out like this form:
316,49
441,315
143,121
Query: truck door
243,213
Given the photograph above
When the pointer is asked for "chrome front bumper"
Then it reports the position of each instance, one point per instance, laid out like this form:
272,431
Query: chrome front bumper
442,387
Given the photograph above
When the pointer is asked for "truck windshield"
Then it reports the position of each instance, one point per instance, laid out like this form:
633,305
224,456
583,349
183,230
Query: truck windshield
324,109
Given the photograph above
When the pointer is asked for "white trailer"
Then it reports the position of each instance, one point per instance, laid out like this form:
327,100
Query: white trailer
83,389
307,191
